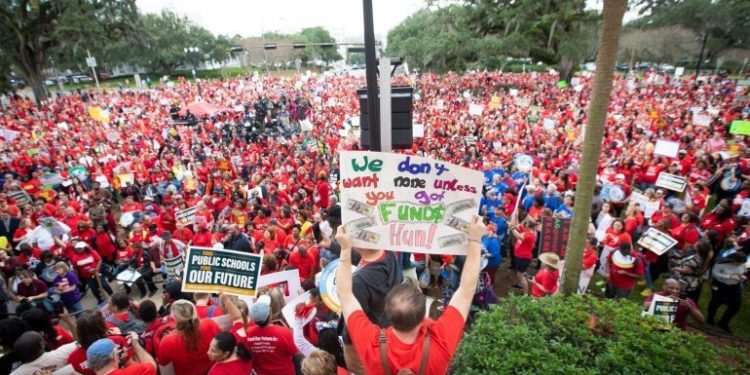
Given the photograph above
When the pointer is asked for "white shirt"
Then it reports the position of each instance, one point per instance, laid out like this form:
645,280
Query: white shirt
55,360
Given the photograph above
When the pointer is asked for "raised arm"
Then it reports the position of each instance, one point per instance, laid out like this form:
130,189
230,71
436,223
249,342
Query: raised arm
461,300
349,303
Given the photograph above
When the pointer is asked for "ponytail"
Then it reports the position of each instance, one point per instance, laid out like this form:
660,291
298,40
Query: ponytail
227,342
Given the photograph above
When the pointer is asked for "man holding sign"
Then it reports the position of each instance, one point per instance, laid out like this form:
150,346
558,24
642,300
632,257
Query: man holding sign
430,344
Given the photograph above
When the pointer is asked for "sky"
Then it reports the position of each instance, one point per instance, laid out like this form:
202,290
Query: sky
343,18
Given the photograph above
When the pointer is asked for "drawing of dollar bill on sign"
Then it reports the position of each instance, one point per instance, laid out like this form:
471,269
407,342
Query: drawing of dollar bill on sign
408,203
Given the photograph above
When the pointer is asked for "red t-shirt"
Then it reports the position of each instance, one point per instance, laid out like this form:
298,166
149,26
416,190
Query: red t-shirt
135,369
624,281
525,247
77,358
172,349
85,263
235,367
303,263
445,334
203,311
273,348
548,279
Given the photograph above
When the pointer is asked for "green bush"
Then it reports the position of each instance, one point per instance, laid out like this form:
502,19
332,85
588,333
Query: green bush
583,335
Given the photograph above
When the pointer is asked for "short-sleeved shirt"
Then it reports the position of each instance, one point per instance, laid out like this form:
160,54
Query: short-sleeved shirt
36,288
548,279
272,347
85,263
525,248
136,369
70,279
235,367
173,349
445,334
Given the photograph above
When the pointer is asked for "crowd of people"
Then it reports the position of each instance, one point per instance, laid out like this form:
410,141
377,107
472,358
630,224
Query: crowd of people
92,182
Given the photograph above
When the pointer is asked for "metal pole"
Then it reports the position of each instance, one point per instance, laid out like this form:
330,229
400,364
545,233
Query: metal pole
371,69
93,70
700,57
385,105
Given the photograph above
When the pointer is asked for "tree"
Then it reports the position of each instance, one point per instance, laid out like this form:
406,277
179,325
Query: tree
592,142
668,44
315,35
31,29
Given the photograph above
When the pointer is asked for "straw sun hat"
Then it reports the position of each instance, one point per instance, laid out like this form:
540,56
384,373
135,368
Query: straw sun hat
550,259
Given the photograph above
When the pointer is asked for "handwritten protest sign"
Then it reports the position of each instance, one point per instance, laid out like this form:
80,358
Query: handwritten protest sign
666,148
408,203
186,216
740,127
647,206
657,241
209,270
672,182
554,235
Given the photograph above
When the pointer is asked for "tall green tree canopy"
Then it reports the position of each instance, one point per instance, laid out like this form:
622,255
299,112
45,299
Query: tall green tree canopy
317,35
31,28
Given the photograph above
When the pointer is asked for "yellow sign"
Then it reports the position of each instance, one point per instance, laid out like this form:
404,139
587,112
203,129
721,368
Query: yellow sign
99,114
495,103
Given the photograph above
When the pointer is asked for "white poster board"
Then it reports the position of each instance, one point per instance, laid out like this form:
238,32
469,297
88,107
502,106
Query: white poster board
666,148
647,206
701,120
476,109
408,203
418,131
186,216
288,279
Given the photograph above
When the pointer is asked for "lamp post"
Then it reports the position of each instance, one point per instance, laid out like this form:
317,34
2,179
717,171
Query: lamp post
192,52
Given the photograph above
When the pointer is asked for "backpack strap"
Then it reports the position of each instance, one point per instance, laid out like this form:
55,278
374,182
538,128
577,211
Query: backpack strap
211,311
382,340
383,357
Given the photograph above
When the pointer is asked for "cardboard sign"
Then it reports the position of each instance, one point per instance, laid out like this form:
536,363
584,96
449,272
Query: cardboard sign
288,311
701,120
418,131
476,109
209,270
186,216
554,235
647,206
740,127
663,308
666,148
408,203
174,266
20,196
672,182
657,241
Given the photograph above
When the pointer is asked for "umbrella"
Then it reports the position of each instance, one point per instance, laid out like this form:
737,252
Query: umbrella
201,109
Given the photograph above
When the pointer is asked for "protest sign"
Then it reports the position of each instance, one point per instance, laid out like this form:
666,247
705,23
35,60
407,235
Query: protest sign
408,203
495,102
9,135
554,235
128,277
679,71
701,120
186,216
51,179
666,148
20,196
522,102
740,127
210,270
672,182
663,308
476,109
54,227
174,266
418,131
288,311
657,241
327,286
548,124
126,179
288,280
647,206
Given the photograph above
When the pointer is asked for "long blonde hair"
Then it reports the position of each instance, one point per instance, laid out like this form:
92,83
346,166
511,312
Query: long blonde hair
186,322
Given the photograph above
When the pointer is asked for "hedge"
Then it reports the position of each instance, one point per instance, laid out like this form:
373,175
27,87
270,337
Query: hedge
584,335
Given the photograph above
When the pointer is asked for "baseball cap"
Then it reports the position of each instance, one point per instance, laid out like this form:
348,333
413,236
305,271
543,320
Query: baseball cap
80,245
100,348
261,309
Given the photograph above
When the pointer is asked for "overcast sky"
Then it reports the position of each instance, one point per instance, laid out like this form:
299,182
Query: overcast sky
343,18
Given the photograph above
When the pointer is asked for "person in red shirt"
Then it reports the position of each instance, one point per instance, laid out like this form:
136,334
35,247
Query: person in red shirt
685,306
203,236
404,345
91,327
687,232
303,261
719,220
186,349
230,355
87,263
523,251
545,282
589,264
323,190
271,345
104,244
625,268
206,307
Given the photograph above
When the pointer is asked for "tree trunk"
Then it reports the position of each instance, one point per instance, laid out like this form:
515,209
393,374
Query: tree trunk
565,66
31,64
551,36
592,143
